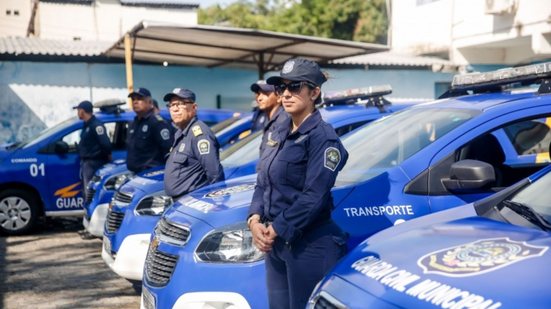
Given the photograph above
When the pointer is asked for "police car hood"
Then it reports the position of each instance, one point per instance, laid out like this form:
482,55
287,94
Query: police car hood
114,167
472,260
221,203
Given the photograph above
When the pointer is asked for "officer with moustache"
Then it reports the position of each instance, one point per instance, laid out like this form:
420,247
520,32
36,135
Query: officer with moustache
194,159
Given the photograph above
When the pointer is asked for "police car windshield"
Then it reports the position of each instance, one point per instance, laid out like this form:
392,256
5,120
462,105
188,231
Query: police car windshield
242,152
386,143
46,133
537,196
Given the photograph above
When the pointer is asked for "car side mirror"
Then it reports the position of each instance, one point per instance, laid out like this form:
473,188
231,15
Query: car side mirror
61,147
469,176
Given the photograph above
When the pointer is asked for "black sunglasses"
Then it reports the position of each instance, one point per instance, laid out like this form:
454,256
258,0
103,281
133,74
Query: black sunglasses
293,87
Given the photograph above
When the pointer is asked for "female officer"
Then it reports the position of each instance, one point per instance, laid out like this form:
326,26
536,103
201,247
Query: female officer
290,214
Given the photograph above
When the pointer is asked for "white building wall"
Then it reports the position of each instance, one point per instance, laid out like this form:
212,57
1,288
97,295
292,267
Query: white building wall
473,31
104,20
421,28
14,17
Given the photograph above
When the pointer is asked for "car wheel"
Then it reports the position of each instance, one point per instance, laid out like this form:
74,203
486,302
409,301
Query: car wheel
18,211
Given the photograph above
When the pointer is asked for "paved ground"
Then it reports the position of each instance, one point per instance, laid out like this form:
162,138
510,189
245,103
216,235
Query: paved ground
56,268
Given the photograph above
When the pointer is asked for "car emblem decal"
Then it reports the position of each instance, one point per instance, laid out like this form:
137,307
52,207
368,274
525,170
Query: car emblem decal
478,257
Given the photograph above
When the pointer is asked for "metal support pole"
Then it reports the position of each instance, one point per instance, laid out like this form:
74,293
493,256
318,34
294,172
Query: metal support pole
128,64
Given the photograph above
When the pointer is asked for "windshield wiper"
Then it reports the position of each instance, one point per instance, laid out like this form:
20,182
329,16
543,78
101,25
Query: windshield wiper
528,213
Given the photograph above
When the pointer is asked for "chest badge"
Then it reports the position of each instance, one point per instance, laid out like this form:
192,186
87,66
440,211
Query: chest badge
271,142
145,128
332,158
181,147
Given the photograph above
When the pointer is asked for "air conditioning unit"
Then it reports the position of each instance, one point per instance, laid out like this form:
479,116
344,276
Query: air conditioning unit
499,7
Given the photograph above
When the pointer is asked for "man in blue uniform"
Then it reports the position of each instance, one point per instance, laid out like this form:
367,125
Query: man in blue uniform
290,213
94,147
194,159
268,103
149,137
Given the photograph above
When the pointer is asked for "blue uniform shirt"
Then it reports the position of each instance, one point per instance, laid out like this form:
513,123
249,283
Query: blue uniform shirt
280,117
258,121
94,142
148,142
298,170
194,160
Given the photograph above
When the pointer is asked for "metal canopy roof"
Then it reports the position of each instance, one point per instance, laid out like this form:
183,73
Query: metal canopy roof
214,46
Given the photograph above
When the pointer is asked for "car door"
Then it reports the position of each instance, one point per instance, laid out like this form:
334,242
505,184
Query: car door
62,171
511,143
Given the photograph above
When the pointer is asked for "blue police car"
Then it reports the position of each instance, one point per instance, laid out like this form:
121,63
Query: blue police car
138,204
423,159
40,176
228,126
488,254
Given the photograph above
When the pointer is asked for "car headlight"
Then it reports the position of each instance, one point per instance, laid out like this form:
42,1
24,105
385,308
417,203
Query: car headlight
115,182
231,244
154,205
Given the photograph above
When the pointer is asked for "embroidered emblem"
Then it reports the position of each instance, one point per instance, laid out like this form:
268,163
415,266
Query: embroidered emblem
478,257
203,146
99,130
181,147
288,67
196,130
332,158
144,128
165,134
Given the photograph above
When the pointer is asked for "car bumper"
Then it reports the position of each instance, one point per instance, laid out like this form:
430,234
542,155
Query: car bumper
97,220
130,258
201,300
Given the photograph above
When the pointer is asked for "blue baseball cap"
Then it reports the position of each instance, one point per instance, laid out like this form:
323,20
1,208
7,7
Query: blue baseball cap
299,69
142,92
86,106
181,93
261,85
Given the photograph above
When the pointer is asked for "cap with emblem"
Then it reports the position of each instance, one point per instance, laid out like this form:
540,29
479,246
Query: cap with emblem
181,93
261,85
299,69
141,92
85,105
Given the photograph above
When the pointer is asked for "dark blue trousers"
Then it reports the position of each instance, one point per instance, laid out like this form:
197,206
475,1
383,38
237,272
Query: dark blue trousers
87,170
293,271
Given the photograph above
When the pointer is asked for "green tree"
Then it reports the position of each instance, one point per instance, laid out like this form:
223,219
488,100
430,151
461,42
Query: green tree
358,20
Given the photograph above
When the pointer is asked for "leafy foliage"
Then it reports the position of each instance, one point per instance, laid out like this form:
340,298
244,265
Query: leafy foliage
357,20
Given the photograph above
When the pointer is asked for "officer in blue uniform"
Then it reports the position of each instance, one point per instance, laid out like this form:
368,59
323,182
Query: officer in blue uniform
194,159
149,135
94,147
268,102
290,214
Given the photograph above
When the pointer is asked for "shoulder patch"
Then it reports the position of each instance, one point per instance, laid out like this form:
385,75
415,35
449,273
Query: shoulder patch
100,130
332,158
204,146
196,130
159,117
165,134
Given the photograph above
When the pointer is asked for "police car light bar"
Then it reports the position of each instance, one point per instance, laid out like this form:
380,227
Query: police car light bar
108,103
502,77
355,95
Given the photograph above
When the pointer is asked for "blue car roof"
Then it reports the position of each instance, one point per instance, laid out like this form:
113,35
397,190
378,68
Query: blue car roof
480,102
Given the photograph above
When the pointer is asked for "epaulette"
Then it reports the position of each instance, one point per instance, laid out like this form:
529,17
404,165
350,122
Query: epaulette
196,129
